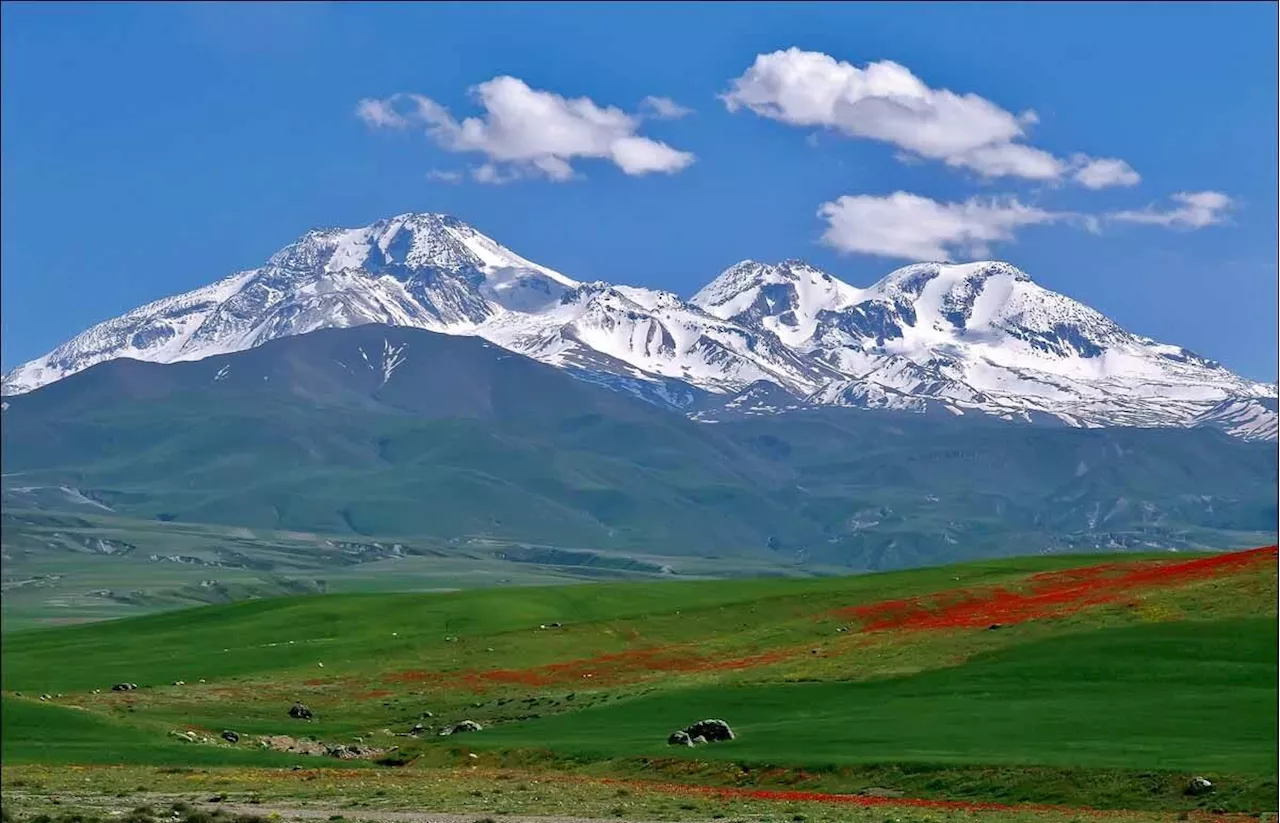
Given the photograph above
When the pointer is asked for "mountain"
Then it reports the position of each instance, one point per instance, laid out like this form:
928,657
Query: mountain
384,431
980,336
976,338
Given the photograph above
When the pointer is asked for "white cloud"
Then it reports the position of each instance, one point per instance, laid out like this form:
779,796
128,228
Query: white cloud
380,114
493,175
444,176
1103,172
1195,210
528,132
664,108
912,227
886,102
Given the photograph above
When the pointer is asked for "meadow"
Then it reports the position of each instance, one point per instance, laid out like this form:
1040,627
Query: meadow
1054,686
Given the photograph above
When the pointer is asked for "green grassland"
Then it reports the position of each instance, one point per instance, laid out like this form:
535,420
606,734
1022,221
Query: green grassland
64,566
1114,705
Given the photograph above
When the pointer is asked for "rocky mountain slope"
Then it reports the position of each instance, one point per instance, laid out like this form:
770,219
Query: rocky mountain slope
953,339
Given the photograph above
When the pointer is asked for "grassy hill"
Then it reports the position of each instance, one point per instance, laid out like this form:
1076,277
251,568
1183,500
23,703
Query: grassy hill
1080,681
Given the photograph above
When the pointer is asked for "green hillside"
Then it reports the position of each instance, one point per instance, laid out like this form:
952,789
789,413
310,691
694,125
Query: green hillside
1105,683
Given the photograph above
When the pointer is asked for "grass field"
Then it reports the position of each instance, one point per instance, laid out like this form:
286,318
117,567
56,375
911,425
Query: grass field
90,564
999,688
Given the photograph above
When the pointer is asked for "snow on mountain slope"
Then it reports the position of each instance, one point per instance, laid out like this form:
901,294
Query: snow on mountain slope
786,299
434,272
1246,418
981,336
977,337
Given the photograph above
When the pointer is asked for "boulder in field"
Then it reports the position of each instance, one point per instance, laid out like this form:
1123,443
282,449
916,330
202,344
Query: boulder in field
679,739
230,736
713,730
1199,786
300,712
459,728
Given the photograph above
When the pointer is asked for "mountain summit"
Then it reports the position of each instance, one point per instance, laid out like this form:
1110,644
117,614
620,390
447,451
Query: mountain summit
976,337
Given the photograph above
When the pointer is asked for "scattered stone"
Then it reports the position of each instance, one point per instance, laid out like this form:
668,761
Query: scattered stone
217,798
1199,786
473,756
318,748
994,626
97,691
343,752
230,736
428,714
815,651
451,640
300,712
45,697
179,682
124,687
704,731
876,791
459,728
843,629
418,728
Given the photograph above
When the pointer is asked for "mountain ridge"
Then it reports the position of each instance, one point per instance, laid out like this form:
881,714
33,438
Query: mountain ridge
979,337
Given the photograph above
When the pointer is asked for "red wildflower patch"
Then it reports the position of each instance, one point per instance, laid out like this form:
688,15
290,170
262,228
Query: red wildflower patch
783,795
604,669
1051,594
620,667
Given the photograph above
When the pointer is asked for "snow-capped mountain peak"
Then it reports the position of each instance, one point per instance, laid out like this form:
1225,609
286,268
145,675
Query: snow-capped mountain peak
785,298
981,337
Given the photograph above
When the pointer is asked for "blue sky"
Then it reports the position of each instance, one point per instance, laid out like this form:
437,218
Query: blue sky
149,149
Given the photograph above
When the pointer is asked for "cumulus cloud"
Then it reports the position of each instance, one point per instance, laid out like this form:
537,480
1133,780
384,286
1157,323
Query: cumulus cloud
1102,172
444,176
664,108
526,132
912,227
886,102
1194,210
